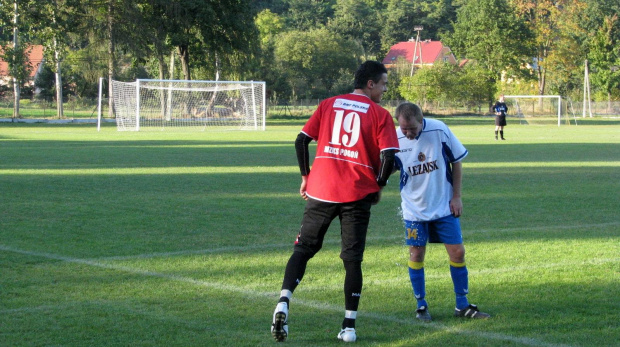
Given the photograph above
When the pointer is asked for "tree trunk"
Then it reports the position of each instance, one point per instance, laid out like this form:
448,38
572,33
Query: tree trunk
169,99
59,107
59,98
16,82
184,56
110,60
217,67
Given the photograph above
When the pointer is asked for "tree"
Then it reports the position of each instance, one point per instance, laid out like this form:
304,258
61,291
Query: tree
55,20
359,21
555,27
216,27
472,86
314,60
19,16
604,57
489,32
308,14
400,16
269,25
430,84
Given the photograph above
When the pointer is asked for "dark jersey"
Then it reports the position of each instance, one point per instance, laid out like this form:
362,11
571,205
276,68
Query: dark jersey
500,107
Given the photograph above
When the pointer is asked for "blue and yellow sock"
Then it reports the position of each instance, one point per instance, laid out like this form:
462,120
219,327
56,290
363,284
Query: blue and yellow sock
458,271
416,275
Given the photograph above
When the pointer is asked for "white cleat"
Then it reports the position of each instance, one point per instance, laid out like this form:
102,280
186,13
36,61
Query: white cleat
279,326
347,335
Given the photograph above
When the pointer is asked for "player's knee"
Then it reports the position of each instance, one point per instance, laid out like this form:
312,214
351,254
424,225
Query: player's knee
307,250
416,253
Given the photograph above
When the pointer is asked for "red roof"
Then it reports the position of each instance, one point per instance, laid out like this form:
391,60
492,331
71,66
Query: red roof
431,52
34,55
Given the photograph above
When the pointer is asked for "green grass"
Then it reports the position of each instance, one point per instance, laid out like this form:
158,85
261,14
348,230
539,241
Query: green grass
180,239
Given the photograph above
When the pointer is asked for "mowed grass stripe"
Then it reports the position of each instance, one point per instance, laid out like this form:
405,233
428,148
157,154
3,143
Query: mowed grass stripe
395,236
271,295
269,169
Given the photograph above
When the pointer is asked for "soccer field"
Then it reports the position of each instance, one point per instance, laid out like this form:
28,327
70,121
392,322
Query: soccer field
180,239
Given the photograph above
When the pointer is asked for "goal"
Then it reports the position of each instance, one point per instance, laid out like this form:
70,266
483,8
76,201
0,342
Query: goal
199,105
540,109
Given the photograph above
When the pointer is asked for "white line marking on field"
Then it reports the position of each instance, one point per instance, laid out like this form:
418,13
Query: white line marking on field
308,303
396,236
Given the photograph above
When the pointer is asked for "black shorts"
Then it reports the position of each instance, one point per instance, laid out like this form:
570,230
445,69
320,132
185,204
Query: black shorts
354,217
500,121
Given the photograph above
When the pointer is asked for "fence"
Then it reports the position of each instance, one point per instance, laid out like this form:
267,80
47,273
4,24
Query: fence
87,108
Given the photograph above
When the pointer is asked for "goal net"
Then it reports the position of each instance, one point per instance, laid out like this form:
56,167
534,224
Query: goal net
540,109
198,105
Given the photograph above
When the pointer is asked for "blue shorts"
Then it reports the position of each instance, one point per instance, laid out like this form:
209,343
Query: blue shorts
443,230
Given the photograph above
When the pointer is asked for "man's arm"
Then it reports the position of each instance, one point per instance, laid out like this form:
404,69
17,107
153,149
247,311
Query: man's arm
456,204
386,169
387,166
303,154
303,159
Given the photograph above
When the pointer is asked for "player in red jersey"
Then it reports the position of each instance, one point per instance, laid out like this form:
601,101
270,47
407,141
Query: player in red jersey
356,143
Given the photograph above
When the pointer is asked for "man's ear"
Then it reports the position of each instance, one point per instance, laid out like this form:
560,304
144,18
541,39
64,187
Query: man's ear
370,84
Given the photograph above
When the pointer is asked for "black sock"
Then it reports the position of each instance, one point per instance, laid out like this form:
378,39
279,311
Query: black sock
352,285
348,323
502,133
295,269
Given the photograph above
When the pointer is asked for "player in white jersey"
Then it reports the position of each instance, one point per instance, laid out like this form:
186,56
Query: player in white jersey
430,187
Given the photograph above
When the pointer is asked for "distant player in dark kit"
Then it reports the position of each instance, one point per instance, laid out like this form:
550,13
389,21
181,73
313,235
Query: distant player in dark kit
430,187
500,108
356,143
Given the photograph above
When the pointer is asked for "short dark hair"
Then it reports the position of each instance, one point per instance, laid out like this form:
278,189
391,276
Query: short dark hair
369,70
408,111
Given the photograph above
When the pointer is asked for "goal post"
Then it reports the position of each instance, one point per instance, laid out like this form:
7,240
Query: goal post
539,108
149,104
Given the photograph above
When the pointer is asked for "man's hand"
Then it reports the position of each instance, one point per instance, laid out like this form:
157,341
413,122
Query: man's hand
456,206
377,197
302,188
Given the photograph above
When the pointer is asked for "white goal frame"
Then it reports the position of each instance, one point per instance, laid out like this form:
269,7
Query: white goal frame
558,97
189,104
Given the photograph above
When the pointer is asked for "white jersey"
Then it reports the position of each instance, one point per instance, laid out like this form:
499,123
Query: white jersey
425,172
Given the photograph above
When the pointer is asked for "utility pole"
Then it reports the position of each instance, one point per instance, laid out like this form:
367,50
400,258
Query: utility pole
417,44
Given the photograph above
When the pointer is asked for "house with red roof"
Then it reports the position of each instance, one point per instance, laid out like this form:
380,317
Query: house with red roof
34,56
427,53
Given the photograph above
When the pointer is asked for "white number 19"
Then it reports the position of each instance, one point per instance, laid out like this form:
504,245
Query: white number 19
350,126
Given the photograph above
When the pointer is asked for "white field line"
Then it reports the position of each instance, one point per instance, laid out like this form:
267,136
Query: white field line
398,235
272,295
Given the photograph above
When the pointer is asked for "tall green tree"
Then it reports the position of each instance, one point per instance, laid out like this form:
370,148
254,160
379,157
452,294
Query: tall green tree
399,18
269,26
554,24
430,84
220,28
604,57
55,22
308,14
113,25
489,32
359,21
313,61
15,15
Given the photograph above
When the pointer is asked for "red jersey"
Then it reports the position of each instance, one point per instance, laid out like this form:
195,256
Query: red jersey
351,130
